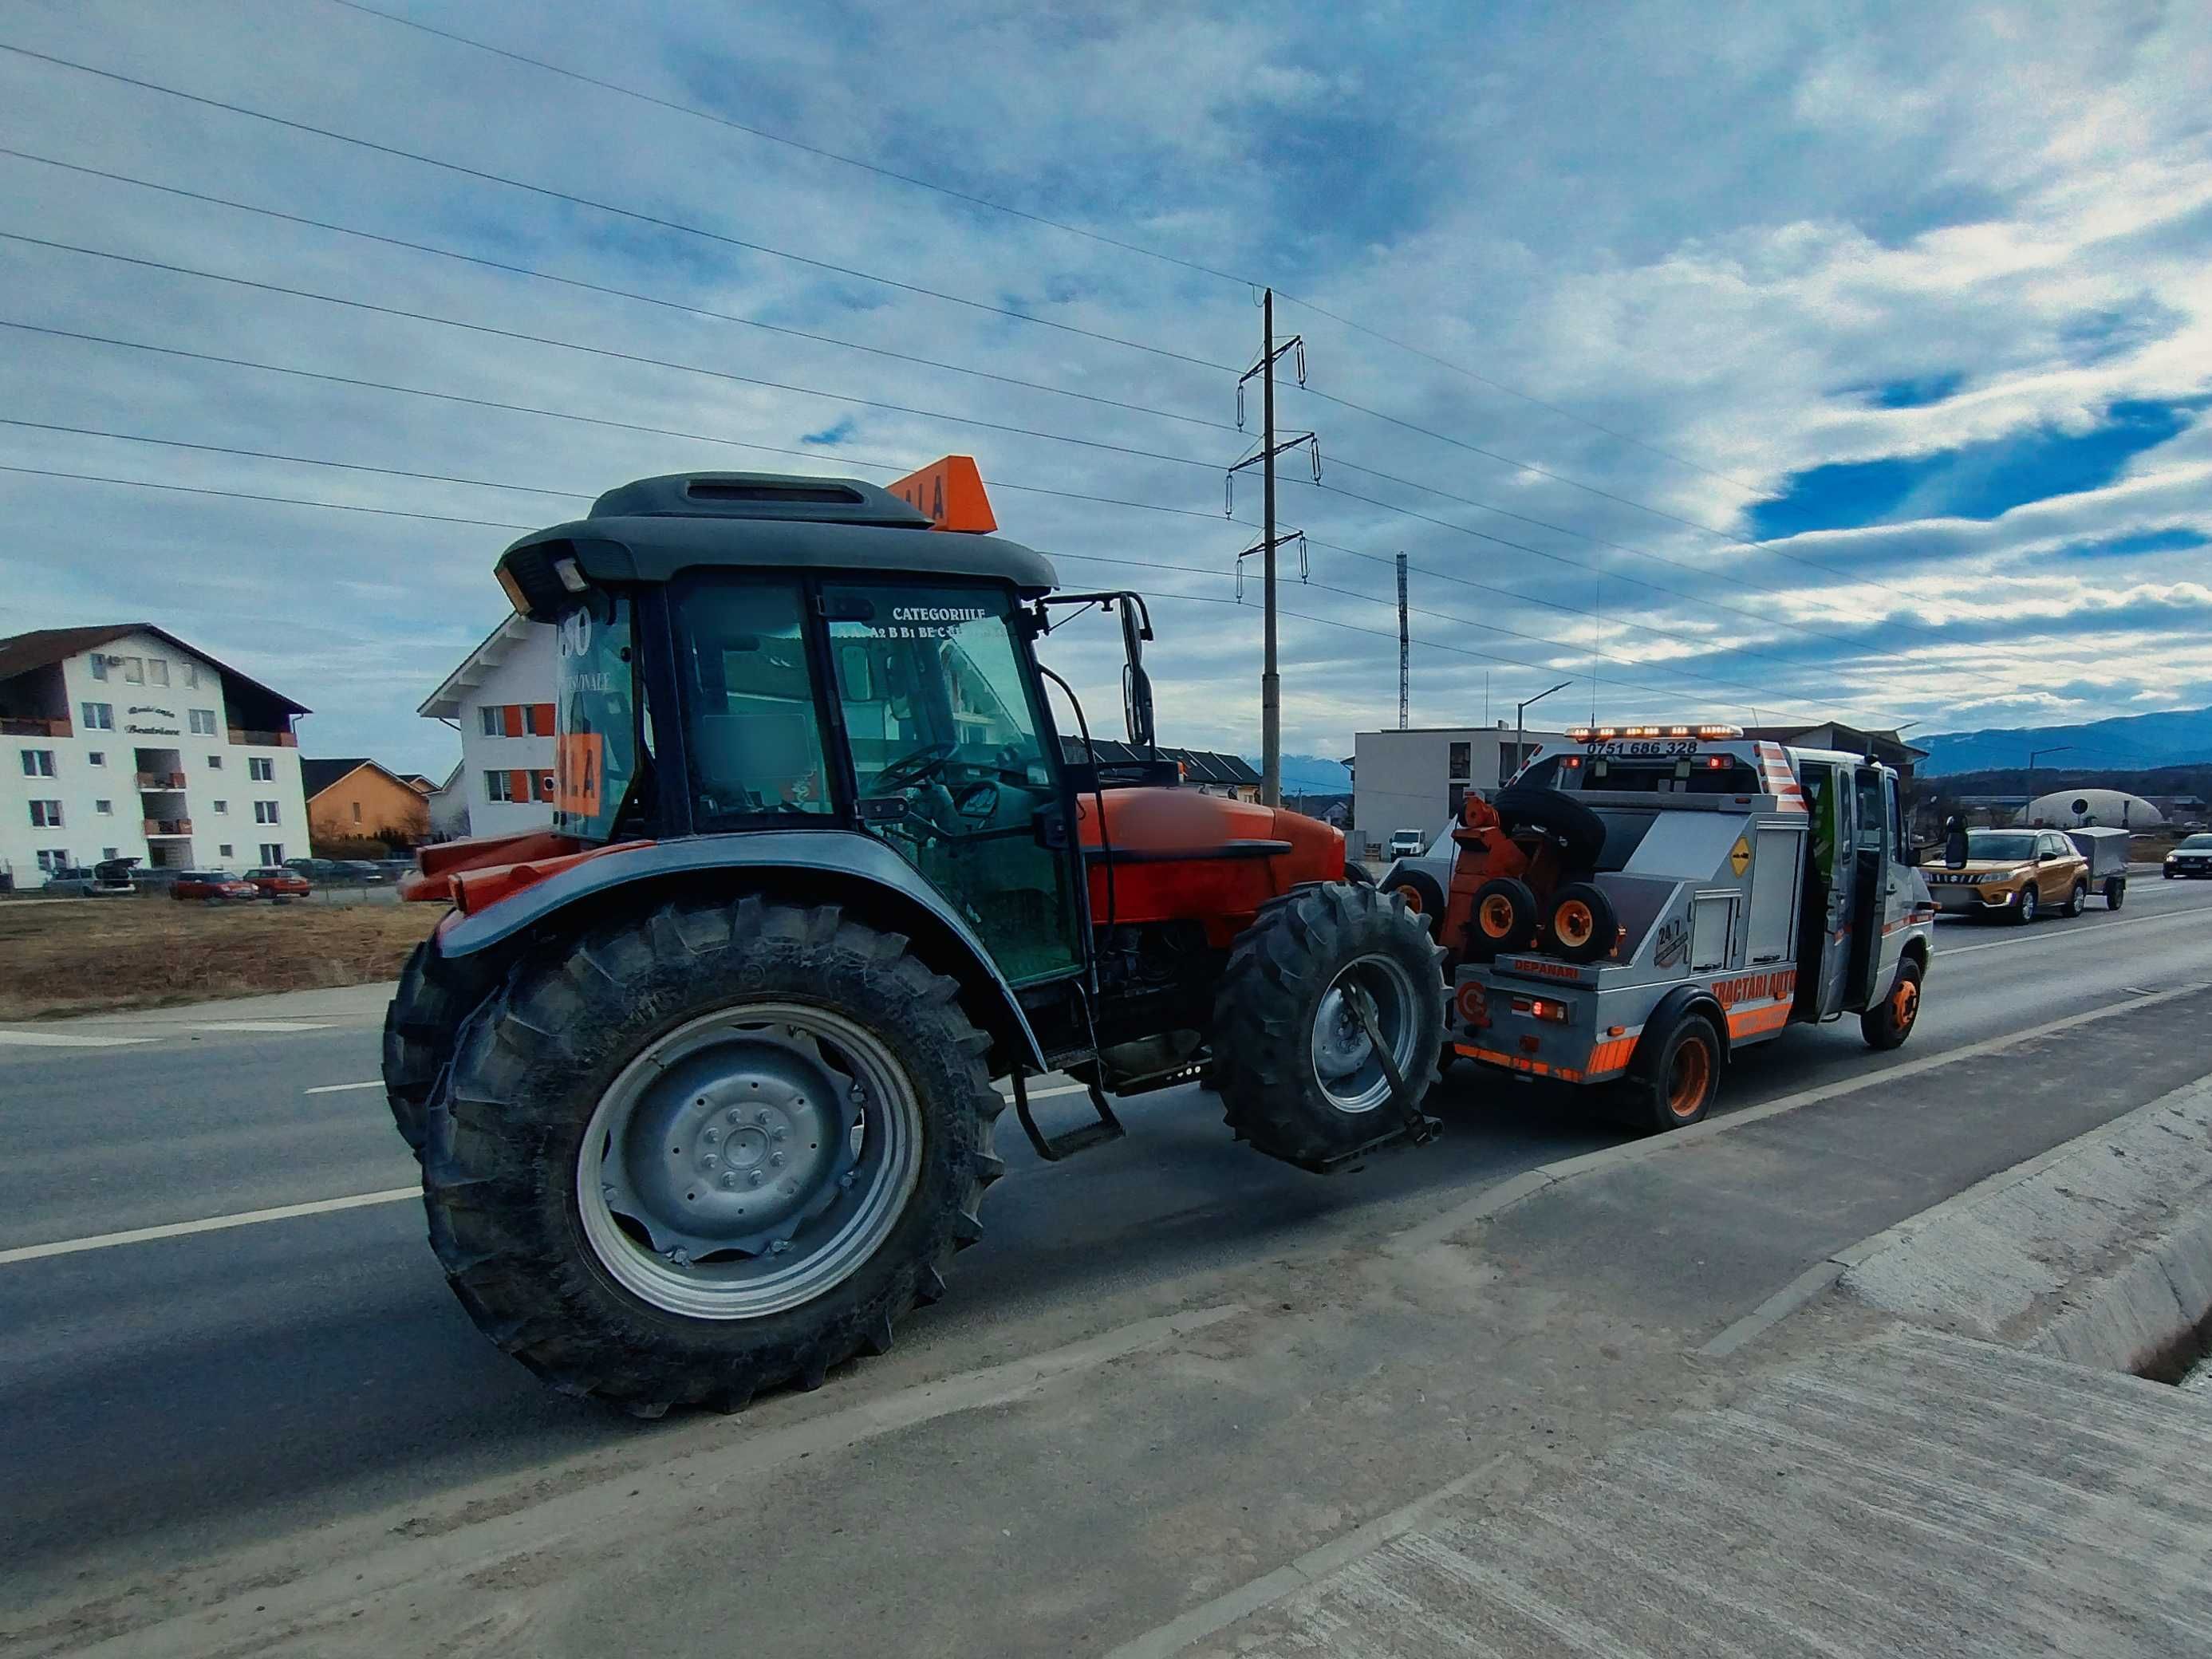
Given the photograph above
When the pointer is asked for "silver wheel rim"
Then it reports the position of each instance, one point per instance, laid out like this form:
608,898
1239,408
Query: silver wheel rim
748,1161
2027,900
1344,1062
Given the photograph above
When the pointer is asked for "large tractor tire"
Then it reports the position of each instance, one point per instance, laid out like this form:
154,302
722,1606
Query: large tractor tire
1299,1078
707,1151
436,994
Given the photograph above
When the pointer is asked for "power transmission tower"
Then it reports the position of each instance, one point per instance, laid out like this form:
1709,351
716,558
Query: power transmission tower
1405,641
1271,688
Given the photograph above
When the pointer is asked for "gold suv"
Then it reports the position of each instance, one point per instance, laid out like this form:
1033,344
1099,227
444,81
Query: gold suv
2016,873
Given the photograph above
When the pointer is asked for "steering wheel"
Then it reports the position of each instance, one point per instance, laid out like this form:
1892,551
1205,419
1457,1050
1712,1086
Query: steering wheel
918,767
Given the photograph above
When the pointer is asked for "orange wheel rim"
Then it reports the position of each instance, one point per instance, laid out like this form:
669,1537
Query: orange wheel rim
1573,922
1412,897
1496,916
1904,1003
1688,1079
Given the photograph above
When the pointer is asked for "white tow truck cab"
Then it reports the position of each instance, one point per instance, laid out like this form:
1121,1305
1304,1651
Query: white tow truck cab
1753,886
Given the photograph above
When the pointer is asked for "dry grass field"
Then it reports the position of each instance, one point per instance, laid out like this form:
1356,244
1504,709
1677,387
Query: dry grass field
99,956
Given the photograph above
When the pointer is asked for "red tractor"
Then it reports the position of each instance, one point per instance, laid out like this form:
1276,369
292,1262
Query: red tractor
703,1080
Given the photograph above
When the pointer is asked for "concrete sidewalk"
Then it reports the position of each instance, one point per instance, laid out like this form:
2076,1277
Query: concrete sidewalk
341,1005
1932,1470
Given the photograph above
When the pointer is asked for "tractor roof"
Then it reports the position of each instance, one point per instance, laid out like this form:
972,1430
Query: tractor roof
655,528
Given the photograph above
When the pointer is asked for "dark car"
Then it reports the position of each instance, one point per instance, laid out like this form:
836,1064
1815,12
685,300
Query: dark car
312,869
279,881
2193,857
212,886
359,871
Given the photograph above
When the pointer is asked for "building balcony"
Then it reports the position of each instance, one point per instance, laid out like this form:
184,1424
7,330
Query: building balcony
264,739
172,827
161,780
32,727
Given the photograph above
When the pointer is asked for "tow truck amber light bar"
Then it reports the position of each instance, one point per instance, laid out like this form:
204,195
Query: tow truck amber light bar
1606,733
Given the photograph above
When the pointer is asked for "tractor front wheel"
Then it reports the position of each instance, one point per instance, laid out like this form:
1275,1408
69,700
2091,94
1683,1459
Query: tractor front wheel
1302,1080
714,1150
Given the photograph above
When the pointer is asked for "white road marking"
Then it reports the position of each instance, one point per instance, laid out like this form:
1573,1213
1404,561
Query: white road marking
339,1088
61,1040
211,1224
262,1025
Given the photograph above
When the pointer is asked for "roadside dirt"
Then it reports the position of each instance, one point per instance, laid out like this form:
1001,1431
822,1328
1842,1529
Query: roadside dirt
101,956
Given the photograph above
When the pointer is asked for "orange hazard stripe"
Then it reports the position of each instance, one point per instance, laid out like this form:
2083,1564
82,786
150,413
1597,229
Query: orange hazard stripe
1518,1063
1611,1055
1751,1021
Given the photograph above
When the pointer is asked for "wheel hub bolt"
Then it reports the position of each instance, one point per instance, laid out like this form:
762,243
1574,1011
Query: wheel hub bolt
780,1134
711,1136
735,1116
776,1159
763,1118
781,1247
708,1162
755,1178
729,1177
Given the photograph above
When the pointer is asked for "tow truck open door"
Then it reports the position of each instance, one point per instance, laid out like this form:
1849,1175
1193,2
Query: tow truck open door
1881,898
1825,977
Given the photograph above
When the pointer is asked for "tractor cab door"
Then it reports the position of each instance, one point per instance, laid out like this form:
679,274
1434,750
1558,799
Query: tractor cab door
941,713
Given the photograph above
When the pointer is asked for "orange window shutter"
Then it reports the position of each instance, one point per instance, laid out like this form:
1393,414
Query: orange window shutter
518,783
543,721
511,716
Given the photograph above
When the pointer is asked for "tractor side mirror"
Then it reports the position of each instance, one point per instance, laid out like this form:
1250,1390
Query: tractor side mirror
1955,844
1137,705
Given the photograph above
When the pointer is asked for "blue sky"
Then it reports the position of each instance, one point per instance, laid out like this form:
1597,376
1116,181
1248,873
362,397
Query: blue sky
1865,359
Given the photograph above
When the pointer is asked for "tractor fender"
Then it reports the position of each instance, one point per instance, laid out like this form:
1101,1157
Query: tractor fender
1684,999
840,866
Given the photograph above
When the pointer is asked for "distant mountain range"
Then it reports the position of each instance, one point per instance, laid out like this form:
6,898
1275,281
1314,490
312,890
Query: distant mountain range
2181,737
1310,774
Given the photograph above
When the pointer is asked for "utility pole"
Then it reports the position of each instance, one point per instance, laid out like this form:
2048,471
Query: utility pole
1405,683
1271,687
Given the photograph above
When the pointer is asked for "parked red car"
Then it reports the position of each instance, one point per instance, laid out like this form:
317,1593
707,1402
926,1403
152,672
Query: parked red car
274,881
213,886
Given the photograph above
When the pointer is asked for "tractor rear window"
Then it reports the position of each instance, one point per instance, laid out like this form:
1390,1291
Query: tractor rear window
755,736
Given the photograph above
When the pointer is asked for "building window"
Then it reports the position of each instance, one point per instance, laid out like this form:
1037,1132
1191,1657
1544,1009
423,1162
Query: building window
191,673
215,762
45,815
1462,760
489,715
54,860
1458,798
497,786
222,806
224,850
356,812
259,770
202,722
111,851
272,852
264,812
38,762
105,808
96,758
157,671
100,717
134,670
99,666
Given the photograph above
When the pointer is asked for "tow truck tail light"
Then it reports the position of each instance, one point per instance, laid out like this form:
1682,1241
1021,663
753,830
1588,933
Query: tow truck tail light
1541,1008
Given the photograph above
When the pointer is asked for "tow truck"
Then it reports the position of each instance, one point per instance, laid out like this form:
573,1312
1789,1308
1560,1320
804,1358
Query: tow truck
1643,902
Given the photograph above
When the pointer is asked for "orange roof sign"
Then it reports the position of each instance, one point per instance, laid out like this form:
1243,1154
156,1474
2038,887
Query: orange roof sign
950,491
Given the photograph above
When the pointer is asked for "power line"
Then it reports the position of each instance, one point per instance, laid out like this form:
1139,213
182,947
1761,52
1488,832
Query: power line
973,200
610,353
632,214
247,496
603,289
894,467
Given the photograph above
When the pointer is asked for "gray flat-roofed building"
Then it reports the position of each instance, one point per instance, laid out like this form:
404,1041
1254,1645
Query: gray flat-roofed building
1416,778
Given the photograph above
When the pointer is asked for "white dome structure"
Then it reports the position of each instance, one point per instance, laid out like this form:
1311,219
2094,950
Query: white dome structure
2113,808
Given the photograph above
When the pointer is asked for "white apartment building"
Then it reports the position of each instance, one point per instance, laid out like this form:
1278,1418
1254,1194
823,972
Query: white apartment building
124,742
501,700
1416,778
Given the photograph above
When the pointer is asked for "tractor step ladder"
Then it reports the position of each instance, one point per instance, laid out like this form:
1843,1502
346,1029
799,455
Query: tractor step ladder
1054,1148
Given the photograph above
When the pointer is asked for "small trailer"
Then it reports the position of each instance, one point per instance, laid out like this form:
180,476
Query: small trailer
2107,850
1700,891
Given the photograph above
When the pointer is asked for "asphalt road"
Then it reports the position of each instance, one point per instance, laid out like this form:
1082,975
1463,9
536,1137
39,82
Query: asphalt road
167,1399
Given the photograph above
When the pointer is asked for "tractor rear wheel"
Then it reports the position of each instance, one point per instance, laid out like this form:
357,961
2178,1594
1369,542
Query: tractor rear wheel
1301,1079
714,1149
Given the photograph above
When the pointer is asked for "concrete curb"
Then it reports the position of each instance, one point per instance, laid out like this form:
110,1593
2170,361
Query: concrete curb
2098,1252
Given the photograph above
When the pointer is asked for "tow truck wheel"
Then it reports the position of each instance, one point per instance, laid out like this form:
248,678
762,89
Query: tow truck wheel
1889,1022
1504,918
2077,900
1675,1087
